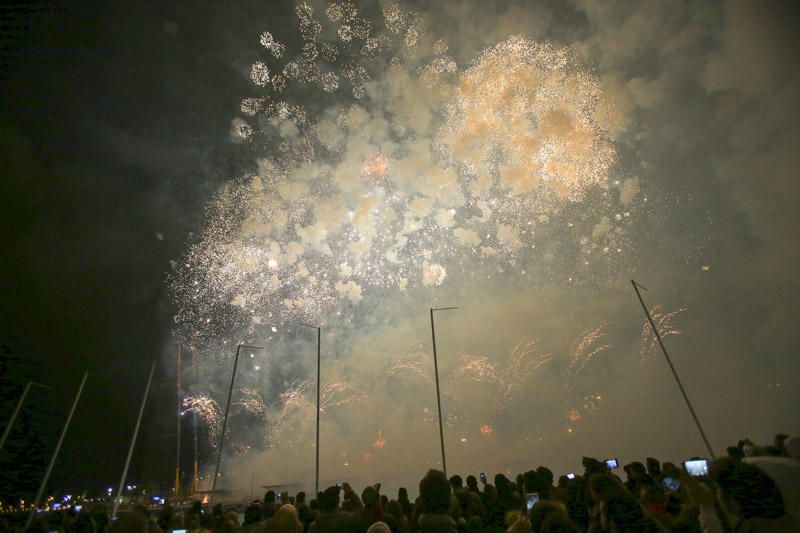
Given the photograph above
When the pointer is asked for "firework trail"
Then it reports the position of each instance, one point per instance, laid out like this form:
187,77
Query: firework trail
585,350
209,412
666,328
407,367
511,379
252,402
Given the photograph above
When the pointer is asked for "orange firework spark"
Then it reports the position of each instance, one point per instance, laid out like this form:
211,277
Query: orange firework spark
574,415
486,430
380,442
375,169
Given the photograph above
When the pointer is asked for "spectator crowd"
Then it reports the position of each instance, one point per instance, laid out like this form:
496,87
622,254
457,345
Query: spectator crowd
754,488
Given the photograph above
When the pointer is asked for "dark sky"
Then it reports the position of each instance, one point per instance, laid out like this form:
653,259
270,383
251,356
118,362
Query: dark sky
111,134
114,128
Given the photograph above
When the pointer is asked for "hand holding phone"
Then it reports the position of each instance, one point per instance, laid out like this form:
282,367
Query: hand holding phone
531,499
696,467
483,478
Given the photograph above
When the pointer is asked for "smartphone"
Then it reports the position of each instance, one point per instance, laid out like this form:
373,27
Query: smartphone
178,531
531,498
696,467
571,475
340,485
78,508
483,478
671,484
611,464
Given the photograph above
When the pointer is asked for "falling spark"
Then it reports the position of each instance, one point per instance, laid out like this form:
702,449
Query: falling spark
665,326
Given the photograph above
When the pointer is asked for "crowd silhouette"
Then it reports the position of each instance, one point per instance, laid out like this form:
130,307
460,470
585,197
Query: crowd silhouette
753,488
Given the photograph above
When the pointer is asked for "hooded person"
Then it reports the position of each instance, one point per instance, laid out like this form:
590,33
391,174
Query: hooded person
285,520
372,511
330,517
434,491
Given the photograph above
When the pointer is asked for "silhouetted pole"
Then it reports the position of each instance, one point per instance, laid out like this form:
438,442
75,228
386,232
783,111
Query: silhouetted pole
178,446
55,453
438,396
196,479
319,346
17,409
133,443
636,287
225,418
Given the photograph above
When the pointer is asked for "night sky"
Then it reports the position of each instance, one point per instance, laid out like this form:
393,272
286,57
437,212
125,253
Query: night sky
116,123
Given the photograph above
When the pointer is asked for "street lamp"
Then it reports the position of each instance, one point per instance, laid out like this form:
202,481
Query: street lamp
225,418
438,396
319,344
17,409
55,452
133,443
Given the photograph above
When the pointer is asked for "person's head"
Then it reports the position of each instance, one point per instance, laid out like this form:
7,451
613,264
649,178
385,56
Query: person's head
592,466
395,509
379,527
546,474
253,513
402,494
329,499
636,471
735,453
653,466
472,483
370,497
197,506
434,489
603,486
456,482
745,490
286,520
300,498
269,497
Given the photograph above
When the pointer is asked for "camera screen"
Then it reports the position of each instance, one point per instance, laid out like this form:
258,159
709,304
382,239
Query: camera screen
530,500
698,467
611,464
671,484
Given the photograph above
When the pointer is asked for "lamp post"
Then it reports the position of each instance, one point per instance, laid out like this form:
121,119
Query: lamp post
55,452
133,443
225,418
438,395
636,287
319,344
17,409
